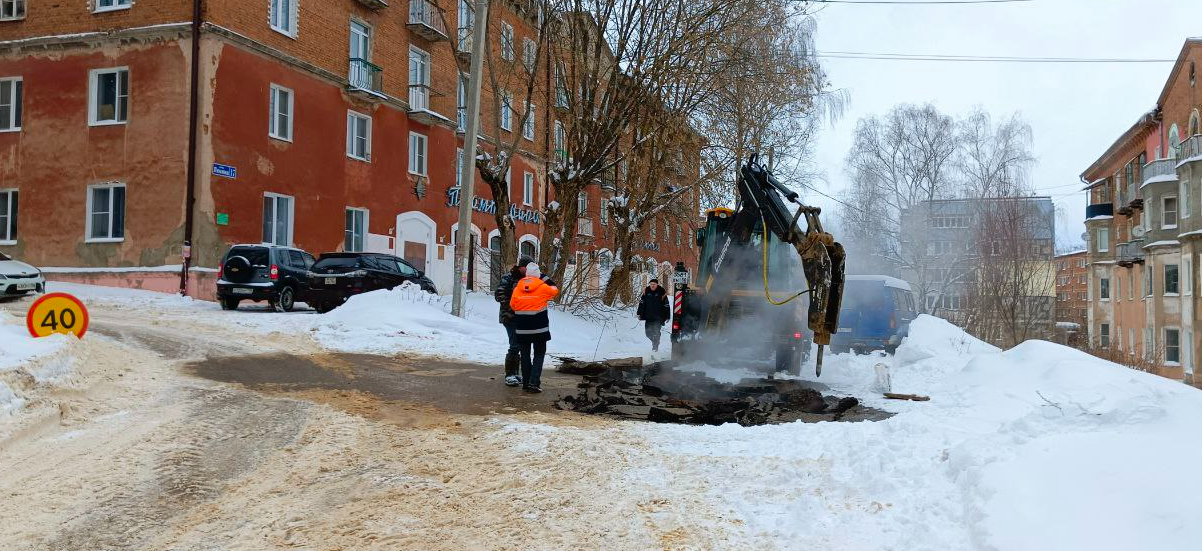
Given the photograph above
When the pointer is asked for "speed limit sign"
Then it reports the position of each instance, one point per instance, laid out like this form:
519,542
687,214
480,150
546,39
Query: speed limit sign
57,313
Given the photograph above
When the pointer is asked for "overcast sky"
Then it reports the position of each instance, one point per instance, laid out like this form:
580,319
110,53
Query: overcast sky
1075,110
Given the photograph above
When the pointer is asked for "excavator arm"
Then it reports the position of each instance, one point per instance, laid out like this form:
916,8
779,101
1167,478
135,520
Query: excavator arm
763,200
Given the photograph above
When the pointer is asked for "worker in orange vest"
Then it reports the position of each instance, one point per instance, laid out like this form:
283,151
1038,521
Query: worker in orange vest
532,325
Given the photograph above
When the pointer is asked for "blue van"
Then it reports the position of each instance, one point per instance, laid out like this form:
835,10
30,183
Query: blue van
875,315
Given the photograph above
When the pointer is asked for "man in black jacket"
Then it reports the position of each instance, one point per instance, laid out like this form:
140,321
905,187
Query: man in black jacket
653,311
502,294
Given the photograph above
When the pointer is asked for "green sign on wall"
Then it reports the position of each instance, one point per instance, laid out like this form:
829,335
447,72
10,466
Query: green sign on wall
223,219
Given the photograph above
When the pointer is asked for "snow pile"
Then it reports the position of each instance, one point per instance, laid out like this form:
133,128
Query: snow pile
1039,446
17,347
408,320
27,361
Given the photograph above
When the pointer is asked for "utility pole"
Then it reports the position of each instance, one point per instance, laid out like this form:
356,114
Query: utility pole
467,181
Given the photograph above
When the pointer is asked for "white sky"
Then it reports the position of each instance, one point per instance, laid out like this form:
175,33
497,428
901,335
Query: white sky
1075,110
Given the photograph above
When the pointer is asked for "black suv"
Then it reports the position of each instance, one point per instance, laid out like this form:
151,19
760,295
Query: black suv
273,273
337,276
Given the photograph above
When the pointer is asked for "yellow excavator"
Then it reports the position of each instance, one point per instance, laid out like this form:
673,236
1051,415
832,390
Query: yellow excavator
761,280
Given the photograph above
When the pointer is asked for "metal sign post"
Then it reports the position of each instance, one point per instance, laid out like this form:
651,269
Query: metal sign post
467,183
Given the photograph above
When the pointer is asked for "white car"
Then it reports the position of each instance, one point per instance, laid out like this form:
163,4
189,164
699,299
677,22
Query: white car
18,278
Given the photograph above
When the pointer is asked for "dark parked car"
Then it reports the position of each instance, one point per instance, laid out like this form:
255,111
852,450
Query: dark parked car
337,276
272,273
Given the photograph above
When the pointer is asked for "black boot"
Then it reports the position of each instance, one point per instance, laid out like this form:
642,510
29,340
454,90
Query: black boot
512,363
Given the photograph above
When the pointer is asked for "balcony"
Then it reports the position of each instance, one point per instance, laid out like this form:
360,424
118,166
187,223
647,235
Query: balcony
464,51
1160,170
425,20
1190,149
374,4
1130,253
419,106
365,77
1099,210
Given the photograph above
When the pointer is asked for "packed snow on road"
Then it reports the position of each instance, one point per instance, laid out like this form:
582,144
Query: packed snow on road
1039,446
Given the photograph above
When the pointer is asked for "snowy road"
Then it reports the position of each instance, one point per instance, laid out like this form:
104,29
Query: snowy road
174,424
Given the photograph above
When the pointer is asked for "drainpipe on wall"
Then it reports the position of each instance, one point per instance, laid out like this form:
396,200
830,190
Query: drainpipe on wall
193,114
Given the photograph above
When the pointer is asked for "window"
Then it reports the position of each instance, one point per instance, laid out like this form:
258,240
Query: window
466,20
110,5
358,136
419,81
1081,263
528,54
1130,284
604,211
506,41
1169,206
461,102
1104,336
582,203
280,126
527,188
995,248
1174,140
528,123
1104,289
1170,280
106,213
654,229
1081,279
458,167
8,216
283,16
277,219
1187,275
1118,291
1148,281
12,9
678,235
561,87
10,104
1103,244
1184,199
1172,346
560,142
506,111
1130,339
356,229
109,96
417,154
527,249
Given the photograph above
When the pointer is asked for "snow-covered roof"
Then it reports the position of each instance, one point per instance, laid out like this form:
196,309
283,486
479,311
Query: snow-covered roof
1189,160
1188,234
1068,325
1162,243
1071,253
886,280
1100,217
1158,179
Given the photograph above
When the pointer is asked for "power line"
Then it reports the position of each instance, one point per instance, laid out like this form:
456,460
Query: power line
994,59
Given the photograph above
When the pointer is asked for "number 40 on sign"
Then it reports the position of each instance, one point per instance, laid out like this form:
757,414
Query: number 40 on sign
57,313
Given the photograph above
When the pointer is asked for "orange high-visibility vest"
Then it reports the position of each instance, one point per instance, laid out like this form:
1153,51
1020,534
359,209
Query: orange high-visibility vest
529,303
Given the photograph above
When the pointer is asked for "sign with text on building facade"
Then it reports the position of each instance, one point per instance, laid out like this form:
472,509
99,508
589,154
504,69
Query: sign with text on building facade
489,206
228,171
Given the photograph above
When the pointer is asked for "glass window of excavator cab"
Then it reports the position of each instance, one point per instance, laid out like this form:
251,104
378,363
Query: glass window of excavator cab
785,276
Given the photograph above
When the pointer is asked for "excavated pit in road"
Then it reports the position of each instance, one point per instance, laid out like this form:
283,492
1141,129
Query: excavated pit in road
662,392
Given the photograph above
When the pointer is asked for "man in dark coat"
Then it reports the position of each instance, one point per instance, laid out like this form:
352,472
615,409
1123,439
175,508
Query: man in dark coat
503,294
653,311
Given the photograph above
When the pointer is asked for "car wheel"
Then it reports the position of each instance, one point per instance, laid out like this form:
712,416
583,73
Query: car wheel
286,300
228,303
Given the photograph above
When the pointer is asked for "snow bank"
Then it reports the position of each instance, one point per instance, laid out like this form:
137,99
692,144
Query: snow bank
1039,446
407,320
17,347
26,362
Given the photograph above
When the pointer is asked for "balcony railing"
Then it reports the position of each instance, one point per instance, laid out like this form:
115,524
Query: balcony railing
1160,170
1190,148
419,97
425,20
1129,253
374,4
1099,210
363,75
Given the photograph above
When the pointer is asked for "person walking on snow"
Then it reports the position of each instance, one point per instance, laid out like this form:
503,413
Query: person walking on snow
503,294
532,325
653,311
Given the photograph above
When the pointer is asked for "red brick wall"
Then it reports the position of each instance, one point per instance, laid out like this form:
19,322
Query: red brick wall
57,17
1183,98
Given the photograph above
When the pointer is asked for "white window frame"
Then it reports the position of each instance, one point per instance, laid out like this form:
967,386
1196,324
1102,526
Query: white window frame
17,15
528,123
7,231
94,96
273,104
291,216
362,234
1103,237
506,111
529,53
352,115
527,188
561,140
506,41
1183,201
1104,335
582,203
1164,210
461,103
14,102
88,222
1168,362
1103,286
604,211
114,6
419,157
273,7
458,167
419,71
1185,275
1164,274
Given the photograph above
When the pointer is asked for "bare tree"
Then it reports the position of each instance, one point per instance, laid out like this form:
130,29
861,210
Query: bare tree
994,161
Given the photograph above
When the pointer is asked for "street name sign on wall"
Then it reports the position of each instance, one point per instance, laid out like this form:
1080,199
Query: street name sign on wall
489,207
228,171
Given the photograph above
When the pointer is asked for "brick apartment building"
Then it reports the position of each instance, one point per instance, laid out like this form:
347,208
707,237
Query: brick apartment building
1072,295
1144,222
324,124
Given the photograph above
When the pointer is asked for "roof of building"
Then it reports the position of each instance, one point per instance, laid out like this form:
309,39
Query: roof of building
1072,253
1177,65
